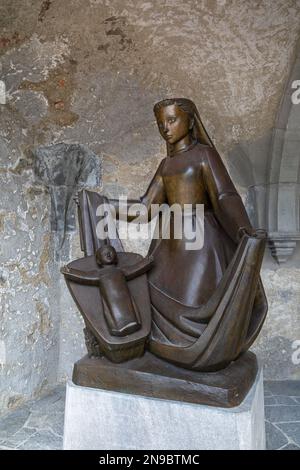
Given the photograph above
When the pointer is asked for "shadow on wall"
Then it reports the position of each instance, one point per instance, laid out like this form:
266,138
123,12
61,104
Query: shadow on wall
270,170
64,169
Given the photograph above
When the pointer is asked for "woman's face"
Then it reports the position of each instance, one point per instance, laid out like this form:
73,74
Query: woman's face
173,123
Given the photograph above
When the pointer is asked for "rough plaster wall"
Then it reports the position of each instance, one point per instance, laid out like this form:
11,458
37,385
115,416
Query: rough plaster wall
89,72
29,319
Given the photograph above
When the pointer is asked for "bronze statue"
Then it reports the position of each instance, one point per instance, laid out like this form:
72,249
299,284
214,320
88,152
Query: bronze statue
207,305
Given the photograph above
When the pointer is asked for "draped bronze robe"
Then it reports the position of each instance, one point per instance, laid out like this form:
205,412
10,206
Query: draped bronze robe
208,305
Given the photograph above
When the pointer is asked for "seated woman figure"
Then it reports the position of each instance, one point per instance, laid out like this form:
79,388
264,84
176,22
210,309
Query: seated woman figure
208,305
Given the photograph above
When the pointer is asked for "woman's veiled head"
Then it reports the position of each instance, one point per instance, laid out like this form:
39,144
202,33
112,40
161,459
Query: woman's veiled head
173,122
177,117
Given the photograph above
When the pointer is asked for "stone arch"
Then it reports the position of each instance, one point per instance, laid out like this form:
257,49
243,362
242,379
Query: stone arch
283,186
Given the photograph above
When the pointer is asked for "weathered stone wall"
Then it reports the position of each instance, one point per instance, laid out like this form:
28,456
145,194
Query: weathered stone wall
88,73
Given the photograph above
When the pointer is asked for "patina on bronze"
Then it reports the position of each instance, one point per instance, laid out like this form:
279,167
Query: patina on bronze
207,305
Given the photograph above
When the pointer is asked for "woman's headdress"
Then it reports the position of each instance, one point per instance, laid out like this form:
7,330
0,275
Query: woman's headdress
199,132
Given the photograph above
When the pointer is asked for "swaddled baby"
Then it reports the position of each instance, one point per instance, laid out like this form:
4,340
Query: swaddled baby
120,310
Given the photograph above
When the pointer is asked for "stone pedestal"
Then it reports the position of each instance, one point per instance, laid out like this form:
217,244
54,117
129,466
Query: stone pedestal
103,419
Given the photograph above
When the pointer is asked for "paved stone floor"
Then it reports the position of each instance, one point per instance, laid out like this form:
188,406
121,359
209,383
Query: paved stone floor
282,413
38,425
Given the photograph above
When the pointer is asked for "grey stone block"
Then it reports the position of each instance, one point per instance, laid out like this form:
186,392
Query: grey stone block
42,440
292,431
100,419
290,447
270,401
19,437
13,422
279,413
56,424
275,438
282,400
53,401
284,387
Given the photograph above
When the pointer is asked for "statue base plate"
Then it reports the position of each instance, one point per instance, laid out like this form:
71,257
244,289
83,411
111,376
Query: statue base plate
152,377
98,419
